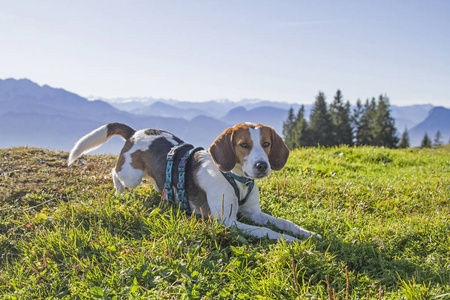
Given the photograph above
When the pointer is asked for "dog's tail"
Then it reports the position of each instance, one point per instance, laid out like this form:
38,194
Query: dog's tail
97,137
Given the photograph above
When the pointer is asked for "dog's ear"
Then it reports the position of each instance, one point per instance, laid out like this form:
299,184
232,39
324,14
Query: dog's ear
279,152
222,151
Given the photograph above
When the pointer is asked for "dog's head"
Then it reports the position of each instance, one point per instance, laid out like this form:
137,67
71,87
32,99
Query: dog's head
254,147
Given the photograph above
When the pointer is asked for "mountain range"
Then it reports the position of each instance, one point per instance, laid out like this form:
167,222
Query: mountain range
46,117
41,116
438,119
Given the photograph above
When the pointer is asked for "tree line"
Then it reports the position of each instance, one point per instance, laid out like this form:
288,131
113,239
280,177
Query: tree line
368,124
427,143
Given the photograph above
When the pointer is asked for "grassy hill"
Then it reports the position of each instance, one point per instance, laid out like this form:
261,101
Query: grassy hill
384,216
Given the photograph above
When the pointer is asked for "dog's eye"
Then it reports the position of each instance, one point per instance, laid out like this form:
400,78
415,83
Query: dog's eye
244,145
266,144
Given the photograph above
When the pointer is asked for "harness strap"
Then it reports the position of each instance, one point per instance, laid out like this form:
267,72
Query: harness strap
181,195
170,158
231,178
185,151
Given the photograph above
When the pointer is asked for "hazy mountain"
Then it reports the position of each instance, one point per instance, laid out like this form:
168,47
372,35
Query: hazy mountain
54,118
409,116
131,104
167,110
215,108
188,109
25,96
438,120
255,103
265,115
43,130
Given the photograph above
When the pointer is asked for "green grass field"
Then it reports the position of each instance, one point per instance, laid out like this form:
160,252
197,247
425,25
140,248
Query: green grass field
384,216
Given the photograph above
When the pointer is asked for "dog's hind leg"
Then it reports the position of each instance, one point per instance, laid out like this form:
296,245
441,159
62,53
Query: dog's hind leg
129,176
117,184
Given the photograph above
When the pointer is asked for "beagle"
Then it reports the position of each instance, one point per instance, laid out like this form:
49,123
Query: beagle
247,150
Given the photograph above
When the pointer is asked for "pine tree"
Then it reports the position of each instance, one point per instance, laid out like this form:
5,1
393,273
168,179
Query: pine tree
437,139
404,142
365,131
426,142
289,130
358,112
384,131
320,123
302,129
340,116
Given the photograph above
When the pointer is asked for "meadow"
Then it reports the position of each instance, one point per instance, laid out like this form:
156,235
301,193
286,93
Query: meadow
384,216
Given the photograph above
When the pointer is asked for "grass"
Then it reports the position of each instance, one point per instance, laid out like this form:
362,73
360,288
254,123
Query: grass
384,216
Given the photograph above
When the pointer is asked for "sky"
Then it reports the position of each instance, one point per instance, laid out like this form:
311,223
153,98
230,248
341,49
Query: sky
207,50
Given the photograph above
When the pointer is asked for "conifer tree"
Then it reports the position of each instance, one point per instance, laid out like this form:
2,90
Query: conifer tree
348,129
384,131
404,142
302,129
366,123
340,116
437,139
320,123
288,130
358,112
426,142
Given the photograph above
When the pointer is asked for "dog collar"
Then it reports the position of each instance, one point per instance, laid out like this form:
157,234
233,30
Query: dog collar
231,178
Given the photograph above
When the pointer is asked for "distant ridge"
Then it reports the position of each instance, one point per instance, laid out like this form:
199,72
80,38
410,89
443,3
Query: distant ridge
24,96
170,111
41,116
265,114
409,116
438,120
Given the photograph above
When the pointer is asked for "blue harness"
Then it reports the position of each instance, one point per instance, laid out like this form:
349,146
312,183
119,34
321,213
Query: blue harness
185,151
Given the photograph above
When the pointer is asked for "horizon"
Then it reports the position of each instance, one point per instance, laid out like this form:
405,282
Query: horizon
210,50
118,100
48,105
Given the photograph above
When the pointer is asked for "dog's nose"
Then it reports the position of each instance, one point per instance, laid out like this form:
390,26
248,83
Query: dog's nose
261,166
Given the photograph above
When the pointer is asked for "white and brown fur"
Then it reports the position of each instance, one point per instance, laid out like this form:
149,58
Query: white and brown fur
247,149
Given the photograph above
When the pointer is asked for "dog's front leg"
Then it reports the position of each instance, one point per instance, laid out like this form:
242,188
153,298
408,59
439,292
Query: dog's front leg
259,232
226,212
261,218
252,211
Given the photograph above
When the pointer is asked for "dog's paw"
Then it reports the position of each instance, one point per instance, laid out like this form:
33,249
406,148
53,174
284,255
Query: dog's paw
316,235
303,233
289,238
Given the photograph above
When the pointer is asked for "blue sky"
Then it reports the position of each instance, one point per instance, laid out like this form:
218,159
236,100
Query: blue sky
204,50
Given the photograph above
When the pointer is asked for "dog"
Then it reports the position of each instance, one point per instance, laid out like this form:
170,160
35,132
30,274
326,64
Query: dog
246,152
